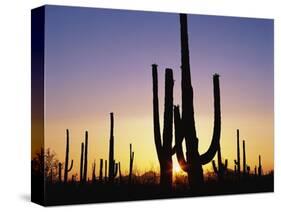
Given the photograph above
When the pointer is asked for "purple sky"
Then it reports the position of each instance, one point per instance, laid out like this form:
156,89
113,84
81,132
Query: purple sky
99,60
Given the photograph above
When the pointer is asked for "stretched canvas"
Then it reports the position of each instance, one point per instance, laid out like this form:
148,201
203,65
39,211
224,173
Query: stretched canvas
137,105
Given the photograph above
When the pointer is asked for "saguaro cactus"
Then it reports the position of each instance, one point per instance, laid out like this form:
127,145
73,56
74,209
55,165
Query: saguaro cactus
115,170
237,161
60,169
244,159
112,167
66,168
101,170
164,145
81,162
185,124
260,167
120,174
105,170
84,159
94,172
132,154
222,168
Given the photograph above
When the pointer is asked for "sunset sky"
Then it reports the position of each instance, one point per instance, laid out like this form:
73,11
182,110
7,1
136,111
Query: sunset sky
98,61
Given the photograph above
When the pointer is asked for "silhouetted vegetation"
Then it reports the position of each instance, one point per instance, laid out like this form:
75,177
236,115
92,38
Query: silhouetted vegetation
107,187
66,169
164,145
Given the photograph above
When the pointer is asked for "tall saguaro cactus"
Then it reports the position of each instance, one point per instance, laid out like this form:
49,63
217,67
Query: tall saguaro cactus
185,124
164,145
237,161
112,167
84,159
132,154
244,159
81,162
66,168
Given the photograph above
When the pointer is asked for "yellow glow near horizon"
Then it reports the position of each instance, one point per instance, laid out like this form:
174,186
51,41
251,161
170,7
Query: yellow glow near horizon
139,132
176,167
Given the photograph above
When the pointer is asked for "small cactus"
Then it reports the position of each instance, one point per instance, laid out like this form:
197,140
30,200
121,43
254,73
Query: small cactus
237,161
120,174
132,154
60,170
84,159
94,172
66,168
260,167
101,170
81,162
244,159
105,170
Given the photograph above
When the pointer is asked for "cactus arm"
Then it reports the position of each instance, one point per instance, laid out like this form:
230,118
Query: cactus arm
225,164
157,134
71,166
179,139
208,156
115,170
215,167
168,114
85,157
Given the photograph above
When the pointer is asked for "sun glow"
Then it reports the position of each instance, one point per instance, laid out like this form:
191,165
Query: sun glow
176,168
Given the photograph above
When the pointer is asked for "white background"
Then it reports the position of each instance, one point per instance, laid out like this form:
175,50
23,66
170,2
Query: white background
15,104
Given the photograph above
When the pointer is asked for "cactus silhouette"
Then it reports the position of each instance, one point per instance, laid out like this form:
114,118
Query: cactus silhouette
66,168
51,174
237,161
164,145
81,162
132,154
244,159
101,170
115,170
94,172
185,124
105,170
260,167
120,174
248,170
60,170
84,159
112,167
222,168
